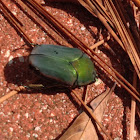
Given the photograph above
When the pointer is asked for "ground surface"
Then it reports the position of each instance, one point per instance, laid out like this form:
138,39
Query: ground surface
45,114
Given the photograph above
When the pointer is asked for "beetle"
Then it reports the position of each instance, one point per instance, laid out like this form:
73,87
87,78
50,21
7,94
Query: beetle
70,66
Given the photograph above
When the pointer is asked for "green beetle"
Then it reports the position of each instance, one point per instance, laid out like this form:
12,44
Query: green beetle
68,65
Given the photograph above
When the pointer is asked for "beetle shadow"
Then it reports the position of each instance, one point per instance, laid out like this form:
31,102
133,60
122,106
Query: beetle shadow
19,72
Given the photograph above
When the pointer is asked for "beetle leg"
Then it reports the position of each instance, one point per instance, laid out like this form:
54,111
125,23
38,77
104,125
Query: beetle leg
35,86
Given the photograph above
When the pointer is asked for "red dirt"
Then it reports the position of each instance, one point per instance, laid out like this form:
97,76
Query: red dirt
45,115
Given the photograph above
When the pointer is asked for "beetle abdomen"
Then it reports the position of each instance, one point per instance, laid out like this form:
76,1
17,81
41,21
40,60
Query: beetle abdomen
68,65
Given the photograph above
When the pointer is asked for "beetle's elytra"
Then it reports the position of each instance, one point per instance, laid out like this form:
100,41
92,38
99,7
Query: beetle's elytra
68,65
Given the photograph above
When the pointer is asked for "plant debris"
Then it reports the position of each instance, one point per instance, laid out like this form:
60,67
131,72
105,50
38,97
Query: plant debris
46,113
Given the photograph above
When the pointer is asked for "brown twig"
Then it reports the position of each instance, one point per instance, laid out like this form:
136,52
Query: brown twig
138,111
12,93
133,109
99,43
85,94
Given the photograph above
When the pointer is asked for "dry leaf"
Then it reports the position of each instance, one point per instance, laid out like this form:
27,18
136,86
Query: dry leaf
99,103
81,129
